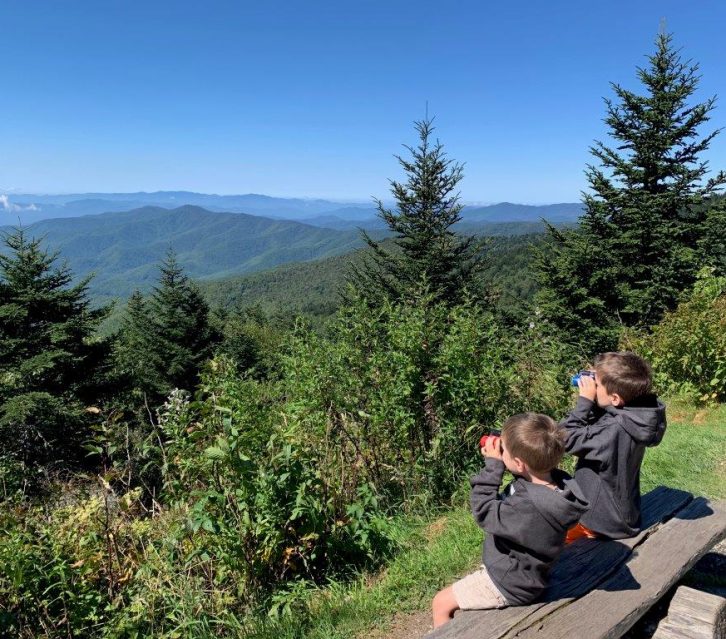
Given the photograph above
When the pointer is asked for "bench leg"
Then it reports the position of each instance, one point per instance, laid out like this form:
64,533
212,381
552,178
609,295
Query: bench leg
693,613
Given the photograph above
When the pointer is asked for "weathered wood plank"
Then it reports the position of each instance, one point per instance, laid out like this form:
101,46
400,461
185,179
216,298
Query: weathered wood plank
608,611
580,568
694,614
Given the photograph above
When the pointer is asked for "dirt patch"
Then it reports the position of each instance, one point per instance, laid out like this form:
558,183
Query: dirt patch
405,625
678,415
700,417
435,528
376,578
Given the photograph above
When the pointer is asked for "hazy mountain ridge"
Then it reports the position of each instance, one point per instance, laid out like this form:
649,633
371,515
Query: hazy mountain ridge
29,208
33,208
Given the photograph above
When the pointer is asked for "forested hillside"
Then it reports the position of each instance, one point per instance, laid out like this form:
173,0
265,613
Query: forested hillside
311,288
123,249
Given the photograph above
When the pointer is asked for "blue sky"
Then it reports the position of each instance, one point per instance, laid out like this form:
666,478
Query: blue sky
312,99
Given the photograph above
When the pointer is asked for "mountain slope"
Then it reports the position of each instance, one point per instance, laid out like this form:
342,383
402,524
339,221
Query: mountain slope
124,249
311,288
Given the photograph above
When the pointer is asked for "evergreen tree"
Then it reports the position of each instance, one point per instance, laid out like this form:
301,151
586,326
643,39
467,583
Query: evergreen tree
248,338
52,367
712,243
637,245
425,249
165,339
136,358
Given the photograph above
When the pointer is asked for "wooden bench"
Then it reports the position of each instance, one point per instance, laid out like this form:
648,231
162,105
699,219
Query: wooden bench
599,589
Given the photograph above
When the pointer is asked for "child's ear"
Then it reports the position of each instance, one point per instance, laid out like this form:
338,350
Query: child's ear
616,400
520,466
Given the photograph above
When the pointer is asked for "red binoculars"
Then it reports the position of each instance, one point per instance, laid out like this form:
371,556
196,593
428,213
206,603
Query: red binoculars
496,435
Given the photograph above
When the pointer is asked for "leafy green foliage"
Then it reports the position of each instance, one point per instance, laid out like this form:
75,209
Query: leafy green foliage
275,510
404,390
688,347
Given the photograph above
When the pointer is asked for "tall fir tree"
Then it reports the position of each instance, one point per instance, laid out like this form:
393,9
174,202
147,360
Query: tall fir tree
136,358
165,339
425,249
53,368
637,246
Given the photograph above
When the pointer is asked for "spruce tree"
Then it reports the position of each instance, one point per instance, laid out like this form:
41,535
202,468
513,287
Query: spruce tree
424,249
136,358
52,366
637,245
165,339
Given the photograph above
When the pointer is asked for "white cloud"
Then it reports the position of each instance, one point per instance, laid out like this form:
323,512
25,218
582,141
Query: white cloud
7,206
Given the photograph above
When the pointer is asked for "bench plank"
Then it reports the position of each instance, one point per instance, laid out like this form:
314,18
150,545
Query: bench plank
608,611
694,614
580,568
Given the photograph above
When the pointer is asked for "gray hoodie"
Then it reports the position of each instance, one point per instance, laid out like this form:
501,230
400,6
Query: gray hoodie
610,443
525,527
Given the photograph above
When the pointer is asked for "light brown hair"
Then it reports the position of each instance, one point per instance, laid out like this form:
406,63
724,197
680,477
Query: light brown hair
538,440
624,373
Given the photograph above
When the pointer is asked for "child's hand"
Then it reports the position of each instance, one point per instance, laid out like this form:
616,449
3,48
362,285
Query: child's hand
588,387
492,448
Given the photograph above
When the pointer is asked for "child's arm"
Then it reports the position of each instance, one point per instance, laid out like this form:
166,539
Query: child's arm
485,490
583,437
496,516
580,430
585,403
580,415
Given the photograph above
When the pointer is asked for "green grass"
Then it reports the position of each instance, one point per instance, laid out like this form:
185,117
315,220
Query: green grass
692,457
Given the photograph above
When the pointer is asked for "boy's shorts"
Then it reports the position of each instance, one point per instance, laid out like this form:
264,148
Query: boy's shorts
478,592
578,531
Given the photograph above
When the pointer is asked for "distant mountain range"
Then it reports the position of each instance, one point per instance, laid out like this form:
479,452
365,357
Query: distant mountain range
30,208
124,249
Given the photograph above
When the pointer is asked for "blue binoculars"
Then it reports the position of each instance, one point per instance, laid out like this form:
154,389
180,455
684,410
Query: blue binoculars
576,378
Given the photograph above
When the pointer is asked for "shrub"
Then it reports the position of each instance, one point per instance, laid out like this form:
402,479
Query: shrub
273,501
404,391
687,349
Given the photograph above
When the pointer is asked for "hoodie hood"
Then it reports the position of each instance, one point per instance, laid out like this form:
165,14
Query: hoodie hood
561,508
644,419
